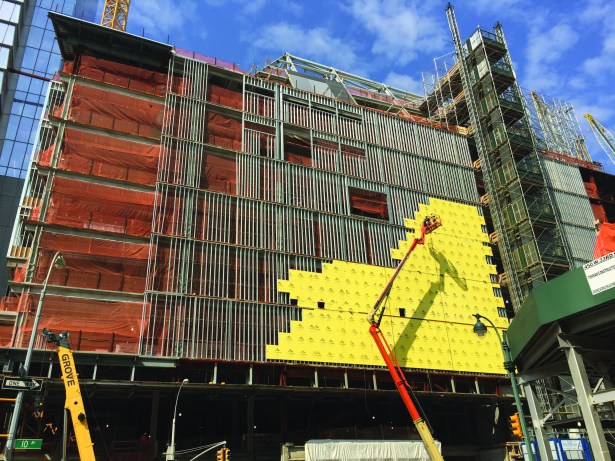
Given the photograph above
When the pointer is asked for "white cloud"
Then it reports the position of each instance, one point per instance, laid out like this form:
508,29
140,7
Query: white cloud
545,48
316,44
254,7
493,5
404,82
596,11
401,29
159,19
601,66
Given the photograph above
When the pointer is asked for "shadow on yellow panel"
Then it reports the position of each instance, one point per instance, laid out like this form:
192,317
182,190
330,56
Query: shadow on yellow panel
428,319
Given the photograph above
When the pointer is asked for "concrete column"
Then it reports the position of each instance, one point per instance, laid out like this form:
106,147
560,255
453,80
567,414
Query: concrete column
542,438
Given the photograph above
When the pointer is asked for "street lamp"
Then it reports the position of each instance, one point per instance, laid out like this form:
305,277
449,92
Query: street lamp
481,329
170,455
56,262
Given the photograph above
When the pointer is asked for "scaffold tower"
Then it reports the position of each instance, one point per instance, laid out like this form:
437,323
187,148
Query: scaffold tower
525,218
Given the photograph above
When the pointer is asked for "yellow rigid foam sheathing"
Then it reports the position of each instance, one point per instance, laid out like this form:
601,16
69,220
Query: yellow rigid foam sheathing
443,283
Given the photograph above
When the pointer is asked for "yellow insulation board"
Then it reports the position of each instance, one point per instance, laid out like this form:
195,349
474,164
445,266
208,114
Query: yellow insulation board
442,284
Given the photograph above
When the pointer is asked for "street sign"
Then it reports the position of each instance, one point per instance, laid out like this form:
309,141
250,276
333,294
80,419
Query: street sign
28,444
22,384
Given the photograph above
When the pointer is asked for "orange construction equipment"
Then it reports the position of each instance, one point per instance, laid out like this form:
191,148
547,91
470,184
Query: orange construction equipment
429,224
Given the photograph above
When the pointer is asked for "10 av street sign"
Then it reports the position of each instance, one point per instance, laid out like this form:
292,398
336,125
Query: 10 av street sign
22,384
28,444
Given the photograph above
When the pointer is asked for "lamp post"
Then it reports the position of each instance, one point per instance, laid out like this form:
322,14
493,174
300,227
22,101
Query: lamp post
56,262
480,329
170,455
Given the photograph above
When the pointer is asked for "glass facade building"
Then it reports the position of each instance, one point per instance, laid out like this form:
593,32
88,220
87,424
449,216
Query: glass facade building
29,57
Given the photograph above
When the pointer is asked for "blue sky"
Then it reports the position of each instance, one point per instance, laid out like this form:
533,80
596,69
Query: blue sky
562,49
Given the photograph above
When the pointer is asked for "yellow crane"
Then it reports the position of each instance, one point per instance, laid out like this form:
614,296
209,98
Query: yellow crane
115,14
604,137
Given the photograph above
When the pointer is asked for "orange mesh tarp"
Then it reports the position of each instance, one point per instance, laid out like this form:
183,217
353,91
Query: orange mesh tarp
599,212
106,156
605,243
93,325
220,174
93,206
126,76
114,111
224,96
223,131
298,150
368,203
145,81
94,263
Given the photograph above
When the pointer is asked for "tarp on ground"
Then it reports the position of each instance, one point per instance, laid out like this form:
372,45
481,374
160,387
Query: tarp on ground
354,450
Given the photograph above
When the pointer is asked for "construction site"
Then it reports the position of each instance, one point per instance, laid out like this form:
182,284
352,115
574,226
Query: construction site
227,233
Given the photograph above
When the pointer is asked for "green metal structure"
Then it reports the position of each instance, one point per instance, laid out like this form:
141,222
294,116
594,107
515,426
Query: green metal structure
525,218
561,341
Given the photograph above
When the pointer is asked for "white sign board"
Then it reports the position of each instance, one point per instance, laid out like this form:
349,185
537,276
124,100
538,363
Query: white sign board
600,273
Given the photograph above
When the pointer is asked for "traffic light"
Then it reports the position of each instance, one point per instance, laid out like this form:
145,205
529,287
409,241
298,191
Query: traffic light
515,424
223,454
38,407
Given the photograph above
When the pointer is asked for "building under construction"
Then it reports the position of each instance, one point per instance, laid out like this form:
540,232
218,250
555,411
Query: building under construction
235,229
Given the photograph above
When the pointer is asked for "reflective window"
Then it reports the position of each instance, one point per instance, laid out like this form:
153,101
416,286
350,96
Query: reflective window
7,33
9,11
40,57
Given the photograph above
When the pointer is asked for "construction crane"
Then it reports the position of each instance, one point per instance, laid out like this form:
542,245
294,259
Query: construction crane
74,402
429,224
604,137
115,14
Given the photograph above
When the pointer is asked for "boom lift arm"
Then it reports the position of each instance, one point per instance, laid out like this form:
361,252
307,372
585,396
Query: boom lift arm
74,402
429,224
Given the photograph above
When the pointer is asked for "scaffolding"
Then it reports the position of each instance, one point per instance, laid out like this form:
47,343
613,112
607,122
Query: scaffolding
444,97
556,126
525,217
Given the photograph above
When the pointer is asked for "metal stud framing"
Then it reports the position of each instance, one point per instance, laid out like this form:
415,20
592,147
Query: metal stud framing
217,255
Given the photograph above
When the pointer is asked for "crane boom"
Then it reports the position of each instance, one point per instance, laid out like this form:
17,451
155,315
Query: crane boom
429,224
74,402
115,14
604,137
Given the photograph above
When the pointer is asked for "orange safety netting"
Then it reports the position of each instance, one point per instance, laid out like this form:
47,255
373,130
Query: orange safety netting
114,73
223,131
89,205
220,174
605,242
217,172
114,111
356,151
368,203
224,96
93,263
599,212
105,156
298,150
93,325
